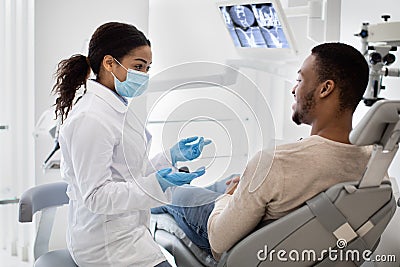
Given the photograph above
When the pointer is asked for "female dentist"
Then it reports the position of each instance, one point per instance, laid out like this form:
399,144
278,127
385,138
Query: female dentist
111,183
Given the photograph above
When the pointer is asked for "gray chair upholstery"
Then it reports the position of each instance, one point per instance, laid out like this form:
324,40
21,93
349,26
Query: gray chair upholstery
168,234
349,215
45,198
55,258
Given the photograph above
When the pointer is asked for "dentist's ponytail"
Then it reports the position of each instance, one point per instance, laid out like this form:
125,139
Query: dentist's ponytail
71,74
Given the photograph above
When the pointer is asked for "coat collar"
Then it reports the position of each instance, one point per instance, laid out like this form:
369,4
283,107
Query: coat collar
118,103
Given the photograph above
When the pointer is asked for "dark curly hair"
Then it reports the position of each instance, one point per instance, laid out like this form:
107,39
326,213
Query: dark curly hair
112,38
347,67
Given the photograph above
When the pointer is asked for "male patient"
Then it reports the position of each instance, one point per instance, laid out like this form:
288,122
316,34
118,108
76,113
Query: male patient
330,84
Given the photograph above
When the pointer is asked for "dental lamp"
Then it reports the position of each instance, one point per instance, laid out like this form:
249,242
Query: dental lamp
378,41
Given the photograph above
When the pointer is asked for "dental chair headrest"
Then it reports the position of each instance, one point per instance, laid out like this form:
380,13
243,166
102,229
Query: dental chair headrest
380,124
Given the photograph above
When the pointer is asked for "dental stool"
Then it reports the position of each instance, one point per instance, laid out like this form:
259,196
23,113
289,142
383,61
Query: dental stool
348,217
45,198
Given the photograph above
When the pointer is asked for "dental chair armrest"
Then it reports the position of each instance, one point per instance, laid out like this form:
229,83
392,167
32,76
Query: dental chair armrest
40,197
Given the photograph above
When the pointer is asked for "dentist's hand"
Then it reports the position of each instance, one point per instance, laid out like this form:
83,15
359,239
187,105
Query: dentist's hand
184,151
166,178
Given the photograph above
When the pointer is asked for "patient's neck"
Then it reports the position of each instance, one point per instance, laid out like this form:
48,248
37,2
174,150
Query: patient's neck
336,128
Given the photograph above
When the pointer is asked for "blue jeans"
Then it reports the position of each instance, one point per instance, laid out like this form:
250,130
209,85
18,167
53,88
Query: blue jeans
191,207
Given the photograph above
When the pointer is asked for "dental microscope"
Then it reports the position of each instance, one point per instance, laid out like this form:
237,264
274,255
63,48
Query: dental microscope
379,41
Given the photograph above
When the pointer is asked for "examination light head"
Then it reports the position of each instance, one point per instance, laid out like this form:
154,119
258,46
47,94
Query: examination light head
378,43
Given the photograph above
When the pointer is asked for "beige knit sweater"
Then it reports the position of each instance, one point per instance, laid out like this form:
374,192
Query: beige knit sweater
274,185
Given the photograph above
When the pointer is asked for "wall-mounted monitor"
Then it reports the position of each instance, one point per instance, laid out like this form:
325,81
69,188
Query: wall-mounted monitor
256,26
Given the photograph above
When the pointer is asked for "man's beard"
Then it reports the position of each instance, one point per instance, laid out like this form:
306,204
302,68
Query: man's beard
308,103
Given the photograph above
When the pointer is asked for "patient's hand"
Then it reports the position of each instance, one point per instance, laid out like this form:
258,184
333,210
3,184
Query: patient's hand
231,185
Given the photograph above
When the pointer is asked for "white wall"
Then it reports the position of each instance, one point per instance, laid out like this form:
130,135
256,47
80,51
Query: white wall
186,31
16,88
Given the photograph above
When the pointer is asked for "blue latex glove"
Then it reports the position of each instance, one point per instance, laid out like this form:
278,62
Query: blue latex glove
166,178
183,150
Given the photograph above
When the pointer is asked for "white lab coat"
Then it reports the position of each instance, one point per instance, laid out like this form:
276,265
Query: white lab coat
110,187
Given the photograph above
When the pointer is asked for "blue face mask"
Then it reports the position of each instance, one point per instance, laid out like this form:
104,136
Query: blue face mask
135,84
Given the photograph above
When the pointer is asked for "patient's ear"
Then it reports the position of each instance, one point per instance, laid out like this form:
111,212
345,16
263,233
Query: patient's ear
327,88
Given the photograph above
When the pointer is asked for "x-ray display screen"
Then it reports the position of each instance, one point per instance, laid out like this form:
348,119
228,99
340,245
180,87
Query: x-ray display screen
254,25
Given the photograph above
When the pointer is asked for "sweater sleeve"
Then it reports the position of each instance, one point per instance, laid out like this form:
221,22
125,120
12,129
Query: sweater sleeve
235,216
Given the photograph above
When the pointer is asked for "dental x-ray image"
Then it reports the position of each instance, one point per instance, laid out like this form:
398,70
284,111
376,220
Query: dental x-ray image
254,25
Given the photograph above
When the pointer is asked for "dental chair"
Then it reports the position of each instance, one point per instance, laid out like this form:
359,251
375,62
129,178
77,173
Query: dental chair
348,217
45,198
